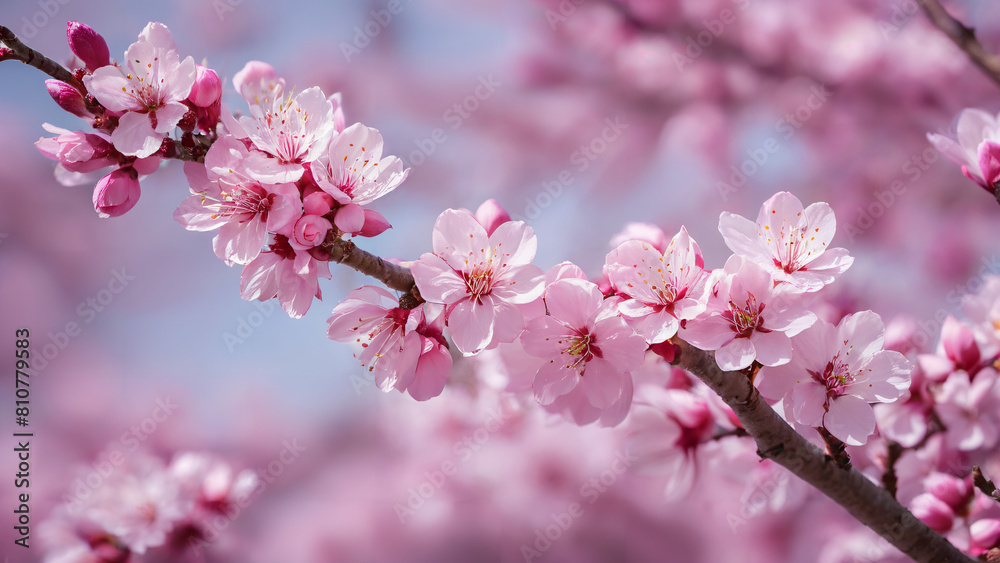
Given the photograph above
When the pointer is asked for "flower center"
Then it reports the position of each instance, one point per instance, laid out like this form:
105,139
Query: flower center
747,318
582,347
479,281
836,377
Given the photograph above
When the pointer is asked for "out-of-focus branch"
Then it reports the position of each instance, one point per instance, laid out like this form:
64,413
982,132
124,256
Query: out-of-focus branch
392,275
872,505
17,51
964,37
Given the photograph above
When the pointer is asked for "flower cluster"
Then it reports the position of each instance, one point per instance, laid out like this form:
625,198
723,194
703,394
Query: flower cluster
145,505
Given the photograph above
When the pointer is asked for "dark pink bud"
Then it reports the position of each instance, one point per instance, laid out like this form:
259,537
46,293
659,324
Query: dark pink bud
959,344
117,192
951,490
375,224
209,117
310,230
68,98
985,533
88,45
933,512
317,203
207,87
989,162
490,215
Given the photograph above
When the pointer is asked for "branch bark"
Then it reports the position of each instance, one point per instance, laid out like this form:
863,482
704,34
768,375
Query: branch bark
964,37
392,275
18,51
870,504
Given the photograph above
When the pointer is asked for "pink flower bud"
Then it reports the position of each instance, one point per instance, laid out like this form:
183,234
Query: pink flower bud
985,533
989,162
88,45
375,224
951,490
644,232
933,512
310,231
207,87
253,73
317,203
959,343
350,218
68,98
117,192
490,215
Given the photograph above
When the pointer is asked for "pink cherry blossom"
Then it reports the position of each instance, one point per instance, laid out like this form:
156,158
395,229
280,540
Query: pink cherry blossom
282,272
974,147
788,241
355,173
837,371
480,278
747,318
586,344
661,289
959,344
396,345
244,210
289,130
77,151
150,90
970,410
983,311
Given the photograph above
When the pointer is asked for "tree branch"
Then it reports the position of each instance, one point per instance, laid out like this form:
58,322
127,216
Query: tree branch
18,51
392,275
872,505
964,37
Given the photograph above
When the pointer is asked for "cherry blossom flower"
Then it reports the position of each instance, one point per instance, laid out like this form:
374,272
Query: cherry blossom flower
282,272
117,193
396,345
77,151
975,146
357,174
289,130
747,318
150,90
788,241
970,410
244,210
586,344
480,278
661,289
837,371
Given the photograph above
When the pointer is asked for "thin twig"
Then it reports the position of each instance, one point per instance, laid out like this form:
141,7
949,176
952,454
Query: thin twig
983,484
18,51
964,37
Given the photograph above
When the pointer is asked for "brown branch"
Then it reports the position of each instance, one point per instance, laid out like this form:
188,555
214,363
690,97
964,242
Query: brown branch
964,37
392,275
18,51
870,504
983,484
